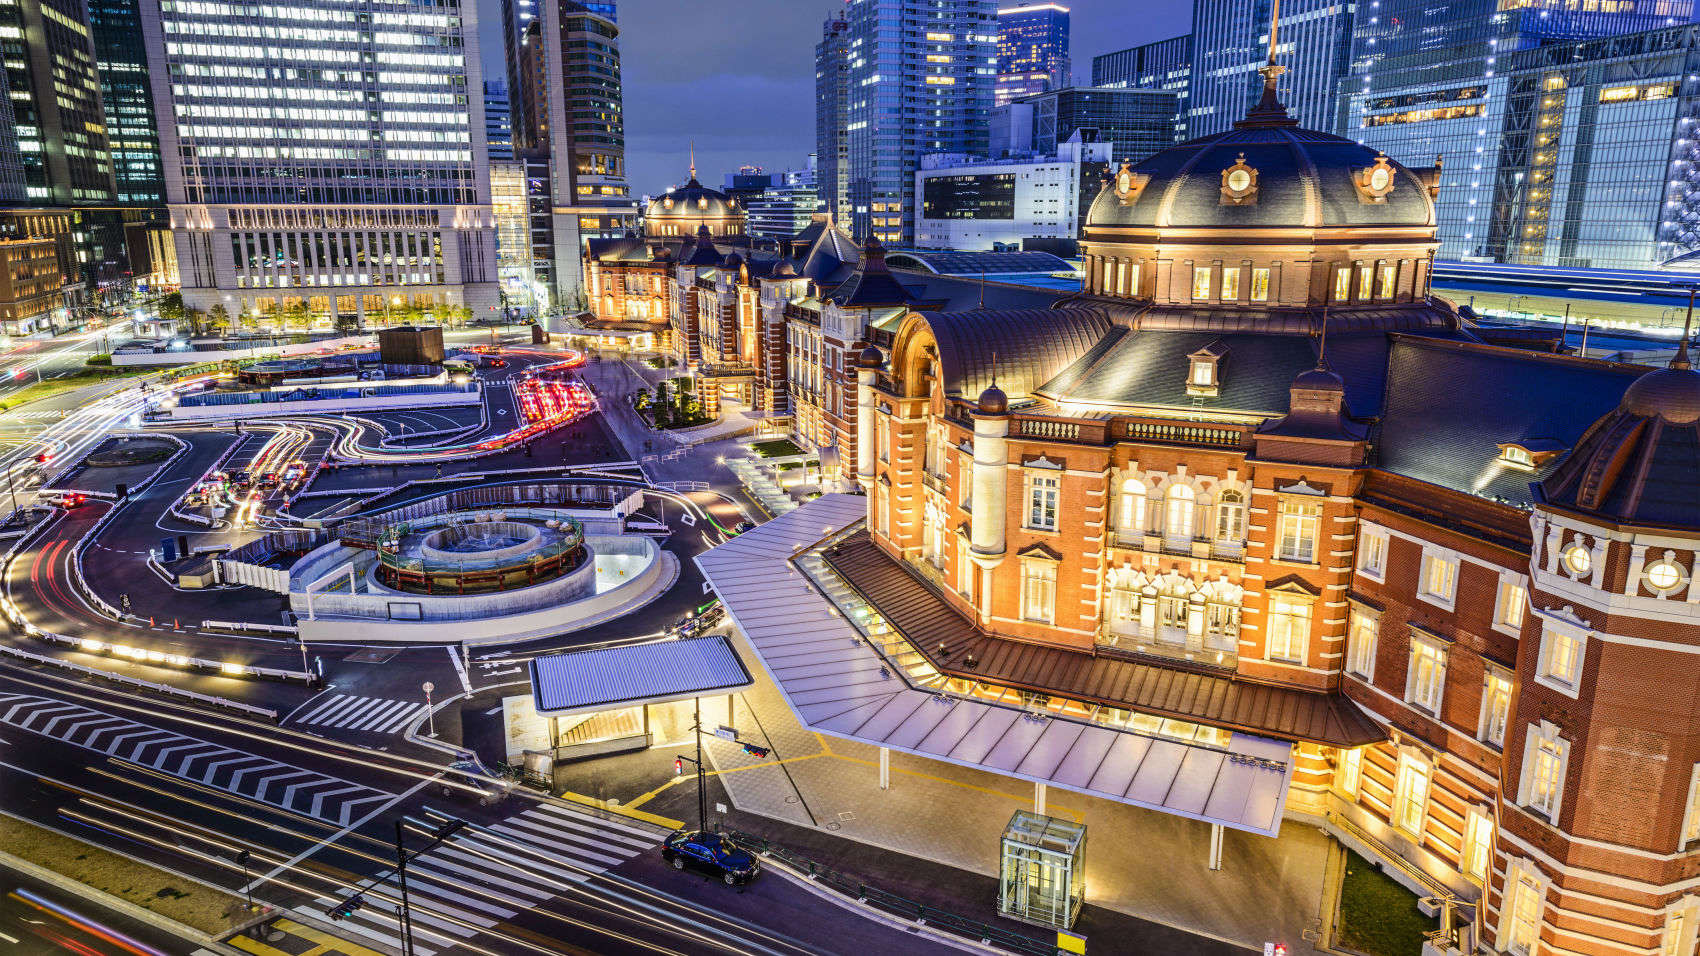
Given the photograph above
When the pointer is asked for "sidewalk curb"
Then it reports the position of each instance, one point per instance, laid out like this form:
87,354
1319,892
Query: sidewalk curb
876,914
117,904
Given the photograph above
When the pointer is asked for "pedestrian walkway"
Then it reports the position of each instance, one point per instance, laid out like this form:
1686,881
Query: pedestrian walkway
286,937
302,791
484,876
372,715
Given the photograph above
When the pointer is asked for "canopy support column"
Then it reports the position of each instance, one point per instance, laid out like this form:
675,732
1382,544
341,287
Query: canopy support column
885,768
1039,798
1215,846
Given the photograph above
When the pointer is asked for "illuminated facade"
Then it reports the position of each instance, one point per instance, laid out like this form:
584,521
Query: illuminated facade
1032,50
895,79
1229,38
339,166
1255,480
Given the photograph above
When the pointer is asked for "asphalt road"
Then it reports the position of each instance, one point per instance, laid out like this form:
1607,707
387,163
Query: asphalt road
38,918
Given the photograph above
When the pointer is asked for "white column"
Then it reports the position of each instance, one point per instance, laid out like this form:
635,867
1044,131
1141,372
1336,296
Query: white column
865,428
1215,846
991,479
885,768
1038,797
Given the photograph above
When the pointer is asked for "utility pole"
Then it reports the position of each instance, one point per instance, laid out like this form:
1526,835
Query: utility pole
401,876
702,787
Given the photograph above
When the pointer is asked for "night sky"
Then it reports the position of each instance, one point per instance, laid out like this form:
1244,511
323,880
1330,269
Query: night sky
739,77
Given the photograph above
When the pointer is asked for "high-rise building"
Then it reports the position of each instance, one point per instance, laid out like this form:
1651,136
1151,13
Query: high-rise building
1135,122
339,165
12,186
1230,43
122,60
785,208
498,121
508,201
585,134
973,204
1431,79
895,79
1032,50
1159,65
54,84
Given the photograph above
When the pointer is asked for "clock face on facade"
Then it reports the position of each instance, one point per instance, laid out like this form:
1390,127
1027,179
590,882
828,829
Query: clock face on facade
1239,180
1380,178
1124,182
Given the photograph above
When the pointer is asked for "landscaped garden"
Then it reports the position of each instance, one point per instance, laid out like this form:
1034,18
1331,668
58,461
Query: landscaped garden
1378,916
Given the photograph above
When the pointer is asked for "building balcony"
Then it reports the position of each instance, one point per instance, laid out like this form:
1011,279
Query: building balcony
938,483
1231,552
1131,640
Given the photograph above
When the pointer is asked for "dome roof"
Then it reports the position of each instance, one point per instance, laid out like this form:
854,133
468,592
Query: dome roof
1265,175
1319,380
993,401
692,202
869,357
1637,464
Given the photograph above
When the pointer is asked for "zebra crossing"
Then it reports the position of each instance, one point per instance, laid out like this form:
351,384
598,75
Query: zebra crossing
302,791
374,715
485,876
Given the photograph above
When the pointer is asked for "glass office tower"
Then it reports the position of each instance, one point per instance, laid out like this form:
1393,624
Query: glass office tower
1431,78
1230,43
122,59
896,79
324,155
1032,50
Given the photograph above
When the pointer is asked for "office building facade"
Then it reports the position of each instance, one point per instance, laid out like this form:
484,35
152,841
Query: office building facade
584,134
498,121
1429,80
1159,65
882,66
786,208
973,204
1135,122
340,166
131,129
1032,50
1231,43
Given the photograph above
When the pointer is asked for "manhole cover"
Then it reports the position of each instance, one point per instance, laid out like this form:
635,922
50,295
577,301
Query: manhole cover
371,657
847,816
832,824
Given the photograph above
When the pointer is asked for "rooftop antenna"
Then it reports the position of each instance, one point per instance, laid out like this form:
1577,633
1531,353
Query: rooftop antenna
1271,70
1680,360
994,370
1322,345
983,290
693,159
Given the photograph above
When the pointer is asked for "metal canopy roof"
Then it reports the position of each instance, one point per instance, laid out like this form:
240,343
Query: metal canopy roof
839,684
650,673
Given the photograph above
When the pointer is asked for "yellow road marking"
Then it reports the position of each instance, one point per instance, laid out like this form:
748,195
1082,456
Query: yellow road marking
327,943
249,944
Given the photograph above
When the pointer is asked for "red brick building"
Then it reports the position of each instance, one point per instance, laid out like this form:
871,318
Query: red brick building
1256,480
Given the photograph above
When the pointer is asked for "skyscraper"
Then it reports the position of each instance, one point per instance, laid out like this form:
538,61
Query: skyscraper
54,84
498,121
339,165
1032,50
585,134
1158,65
1430,79
1230,42
122,59
895,79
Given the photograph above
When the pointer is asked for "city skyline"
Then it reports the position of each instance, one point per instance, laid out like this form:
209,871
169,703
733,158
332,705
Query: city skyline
763,66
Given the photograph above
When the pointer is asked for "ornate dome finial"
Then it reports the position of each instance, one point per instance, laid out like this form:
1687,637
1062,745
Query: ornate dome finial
1269,111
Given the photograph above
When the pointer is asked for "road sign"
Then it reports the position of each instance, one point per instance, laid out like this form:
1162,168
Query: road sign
726,733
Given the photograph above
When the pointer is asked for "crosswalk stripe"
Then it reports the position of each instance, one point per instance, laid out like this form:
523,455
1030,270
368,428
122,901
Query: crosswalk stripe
506,852
330,705
647,837
363,706
368,714
430,879
587,825
379,718
365,924
513,881
523,834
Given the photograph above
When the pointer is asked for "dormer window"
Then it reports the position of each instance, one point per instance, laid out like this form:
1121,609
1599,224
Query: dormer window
1529,454
1204,369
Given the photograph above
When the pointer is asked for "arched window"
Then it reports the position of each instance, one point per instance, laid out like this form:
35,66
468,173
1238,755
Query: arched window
1133,507
1178,522
1230,516
608,306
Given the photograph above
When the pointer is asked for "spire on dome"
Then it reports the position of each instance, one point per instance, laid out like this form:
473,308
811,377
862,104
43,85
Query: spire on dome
1269,111
693,160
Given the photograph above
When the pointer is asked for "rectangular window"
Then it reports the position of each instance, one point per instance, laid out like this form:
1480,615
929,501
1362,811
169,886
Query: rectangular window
1440,577
1201,282
1038,591
1366,274
1544,769
1425,680
1561,658
1372,553
1260,285
1496,707
1042,493
1410,795
1230,285
1289,627
1526,899
964,569
1360,654
1296,540
1342,284
1133,280
1691,816
1349,772
882,436
1478,846
881,525
1676,932
1389,275
1508,609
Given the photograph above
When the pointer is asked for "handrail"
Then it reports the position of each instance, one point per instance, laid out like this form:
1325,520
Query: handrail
902,906
138,682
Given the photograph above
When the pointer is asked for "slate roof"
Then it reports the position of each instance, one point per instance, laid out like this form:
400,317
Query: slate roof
1449,405
1170,691
1304,180
978,263
1029,346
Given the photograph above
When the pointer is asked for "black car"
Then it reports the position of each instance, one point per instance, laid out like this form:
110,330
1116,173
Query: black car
712,854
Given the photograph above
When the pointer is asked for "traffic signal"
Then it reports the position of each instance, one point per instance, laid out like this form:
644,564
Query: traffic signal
346,908
755,751
678,766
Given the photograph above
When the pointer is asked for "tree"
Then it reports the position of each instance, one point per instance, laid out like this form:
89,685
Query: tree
197,321
171,307
296,314
219,318
641,400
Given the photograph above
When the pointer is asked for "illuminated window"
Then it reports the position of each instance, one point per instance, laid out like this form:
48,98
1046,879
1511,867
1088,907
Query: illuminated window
1042,492
1425,678
1389,276
1133,506
1544,757
1349,771
1361,641
1038,591
1296,535
1132,279
1478,846
1342,284
1691,815
1578,560
1201,282
1372,552
1410,795
1179,518
1365,274
1528,896
1230,285
1560,663
964,569
1230,517
1440,577
1508,605
1260,285
1496,707
1289,626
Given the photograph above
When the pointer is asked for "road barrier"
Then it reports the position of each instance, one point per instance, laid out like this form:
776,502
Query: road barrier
138,682
239,627
921,913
